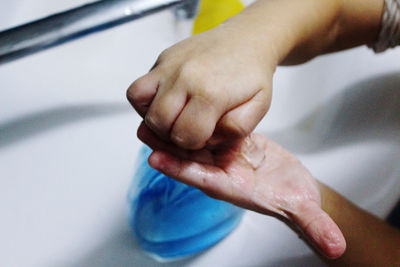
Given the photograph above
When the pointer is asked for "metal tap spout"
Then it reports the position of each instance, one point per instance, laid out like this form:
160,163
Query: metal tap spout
78,22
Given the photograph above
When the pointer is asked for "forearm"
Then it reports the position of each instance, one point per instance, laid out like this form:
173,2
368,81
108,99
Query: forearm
300,30
370,241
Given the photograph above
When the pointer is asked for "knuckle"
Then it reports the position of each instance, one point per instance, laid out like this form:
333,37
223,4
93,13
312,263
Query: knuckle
135,88
191,70
193,77
163,55
186,74
129,95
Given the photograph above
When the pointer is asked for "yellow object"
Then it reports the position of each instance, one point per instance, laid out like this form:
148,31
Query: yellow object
214,12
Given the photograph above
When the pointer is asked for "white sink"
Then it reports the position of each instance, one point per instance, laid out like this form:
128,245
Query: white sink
68,144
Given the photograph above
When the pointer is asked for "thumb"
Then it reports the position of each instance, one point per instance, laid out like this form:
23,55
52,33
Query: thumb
321,230
241,121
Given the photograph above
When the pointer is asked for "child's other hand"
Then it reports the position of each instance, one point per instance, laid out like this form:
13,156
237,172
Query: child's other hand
257,174
208,88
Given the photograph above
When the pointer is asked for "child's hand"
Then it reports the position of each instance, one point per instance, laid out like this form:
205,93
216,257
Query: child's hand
257,174
210,87
217,85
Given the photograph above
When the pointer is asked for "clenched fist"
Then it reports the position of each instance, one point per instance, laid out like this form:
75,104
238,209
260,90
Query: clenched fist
208,88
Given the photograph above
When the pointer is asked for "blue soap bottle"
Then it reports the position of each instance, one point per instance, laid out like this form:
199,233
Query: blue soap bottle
171,220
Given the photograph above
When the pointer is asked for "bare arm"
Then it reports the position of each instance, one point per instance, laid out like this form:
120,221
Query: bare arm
300,30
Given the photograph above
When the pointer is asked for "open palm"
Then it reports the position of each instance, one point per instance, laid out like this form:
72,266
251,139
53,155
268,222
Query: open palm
257,174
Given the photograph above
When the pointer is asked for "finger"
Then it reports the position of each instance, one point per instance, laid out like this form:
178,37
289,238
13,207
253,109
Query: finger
154,142
210,179
164,110
148,137
241,121
321,230
195,124
142,91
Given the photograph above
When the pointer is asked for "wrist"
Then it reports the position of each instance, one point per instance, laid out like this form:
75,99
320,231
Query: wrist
289,31
258,42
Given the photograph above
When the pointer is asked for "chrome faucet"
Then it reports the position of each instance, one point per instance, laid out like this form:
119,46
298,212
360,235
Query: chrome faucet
78,22
187,10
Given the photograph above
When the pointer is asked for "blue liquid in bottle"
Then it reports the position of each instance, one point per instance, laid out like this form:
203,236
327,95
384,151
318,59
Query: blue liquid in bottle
172,220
